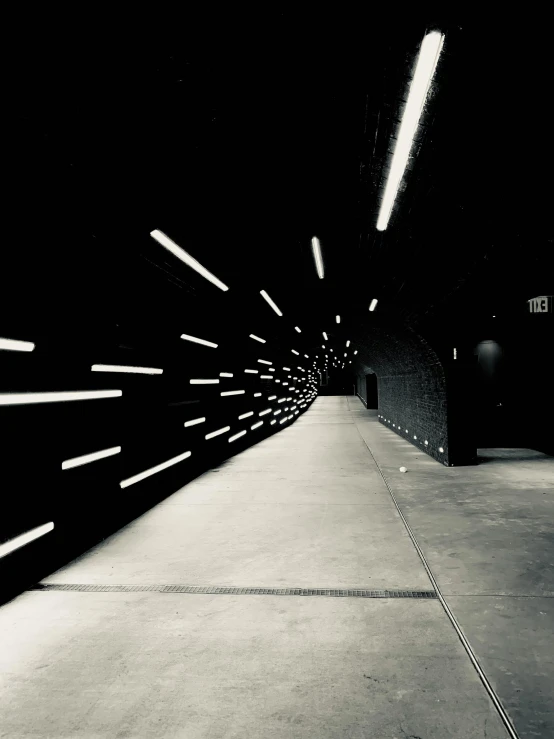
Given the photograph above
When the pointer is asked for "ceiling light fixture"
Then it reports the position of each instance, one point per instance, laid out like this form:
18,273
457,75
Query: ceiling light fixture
185,257
373,304
419,87
316,249
270,302
195,340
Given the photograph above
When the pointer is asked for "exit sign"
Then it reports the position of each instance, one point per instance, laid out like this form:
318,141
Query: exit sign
542,304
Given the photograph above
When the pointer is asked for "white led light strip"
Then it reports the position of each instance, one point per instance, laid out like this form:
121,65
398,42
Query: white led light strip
237,436
185,257
153,470
28,398
87,458
419,87
196,340
257,338
270,302
26,538
213,434
195,421
316,250
233,392
122,368
204,382
12,345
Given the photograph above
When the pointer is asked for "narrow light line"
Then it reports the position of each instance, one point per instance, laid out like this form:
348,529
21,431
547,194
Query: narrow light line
287,369
264,413
264,361
373,304
325,336
252,372
266,377
204,382
257,425
196,340
266,297
28,398
295,352
257,395
316,250
122,368
225,374
237,436
185,257
153,470
195,421
213,434
234,392
13,345
92,457
297,329
246,415
257,338
26,538
419,87
272,397
337,319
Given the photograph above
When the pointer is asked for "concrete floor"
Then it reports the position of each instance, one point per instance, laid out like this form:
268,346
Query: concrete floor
305,508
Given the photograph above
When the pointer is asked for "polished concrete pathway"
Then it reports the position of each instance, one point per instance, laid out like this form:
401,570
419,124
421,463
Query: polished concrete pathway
306,508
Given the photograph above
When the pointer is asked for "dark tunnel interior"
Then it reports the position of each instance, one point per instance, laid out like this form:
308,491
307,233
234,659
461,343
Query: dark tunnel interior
240,149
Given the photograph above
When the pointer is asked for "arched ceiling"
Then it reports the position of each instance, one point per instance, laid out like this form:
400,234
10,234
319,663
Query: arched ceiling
244,142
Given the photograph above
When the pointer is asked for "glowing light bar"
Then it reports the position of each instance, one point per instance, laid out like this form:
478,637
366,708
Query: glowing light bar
325,336
121,368
281,400
272,397
272,369
27,398
337,319
373,304
266,377
348,343
153,470
87,458
283,420
316,251
277,412
252,372
297,329
245,415
225,374
204,382
196,340
272,422
264,413
257,338
185,257
26,538
233,392
257,395
212,434
287,369
356,351
266,297
237,436
13,345
194,421
264,361
419,87
257,425
295,352
307,357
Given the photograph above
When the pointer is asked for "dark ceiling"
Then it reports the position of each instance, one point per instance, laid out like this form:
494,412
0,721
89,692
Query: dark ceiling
248,135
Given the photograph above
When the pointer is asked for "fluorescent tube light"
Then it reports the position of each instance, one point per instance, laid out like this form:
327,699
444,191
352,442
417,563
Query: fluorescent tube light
245,415
257,425
212,434
257,338
373,304
237,436
337,319
28,398
316,249
26,538
297,329
272,397
264,413
287,369
12,345
252,372
153,470
348,343
264,361
121,368
272,422
194,421
266,377
234,392
196,340
325,336
419,87
295,352
225,374
266,297
93,457
204,382
185,257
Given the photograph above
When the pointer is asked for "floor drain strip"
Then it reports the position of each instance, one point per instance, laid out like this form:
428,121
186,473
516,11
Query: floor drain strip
211,590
